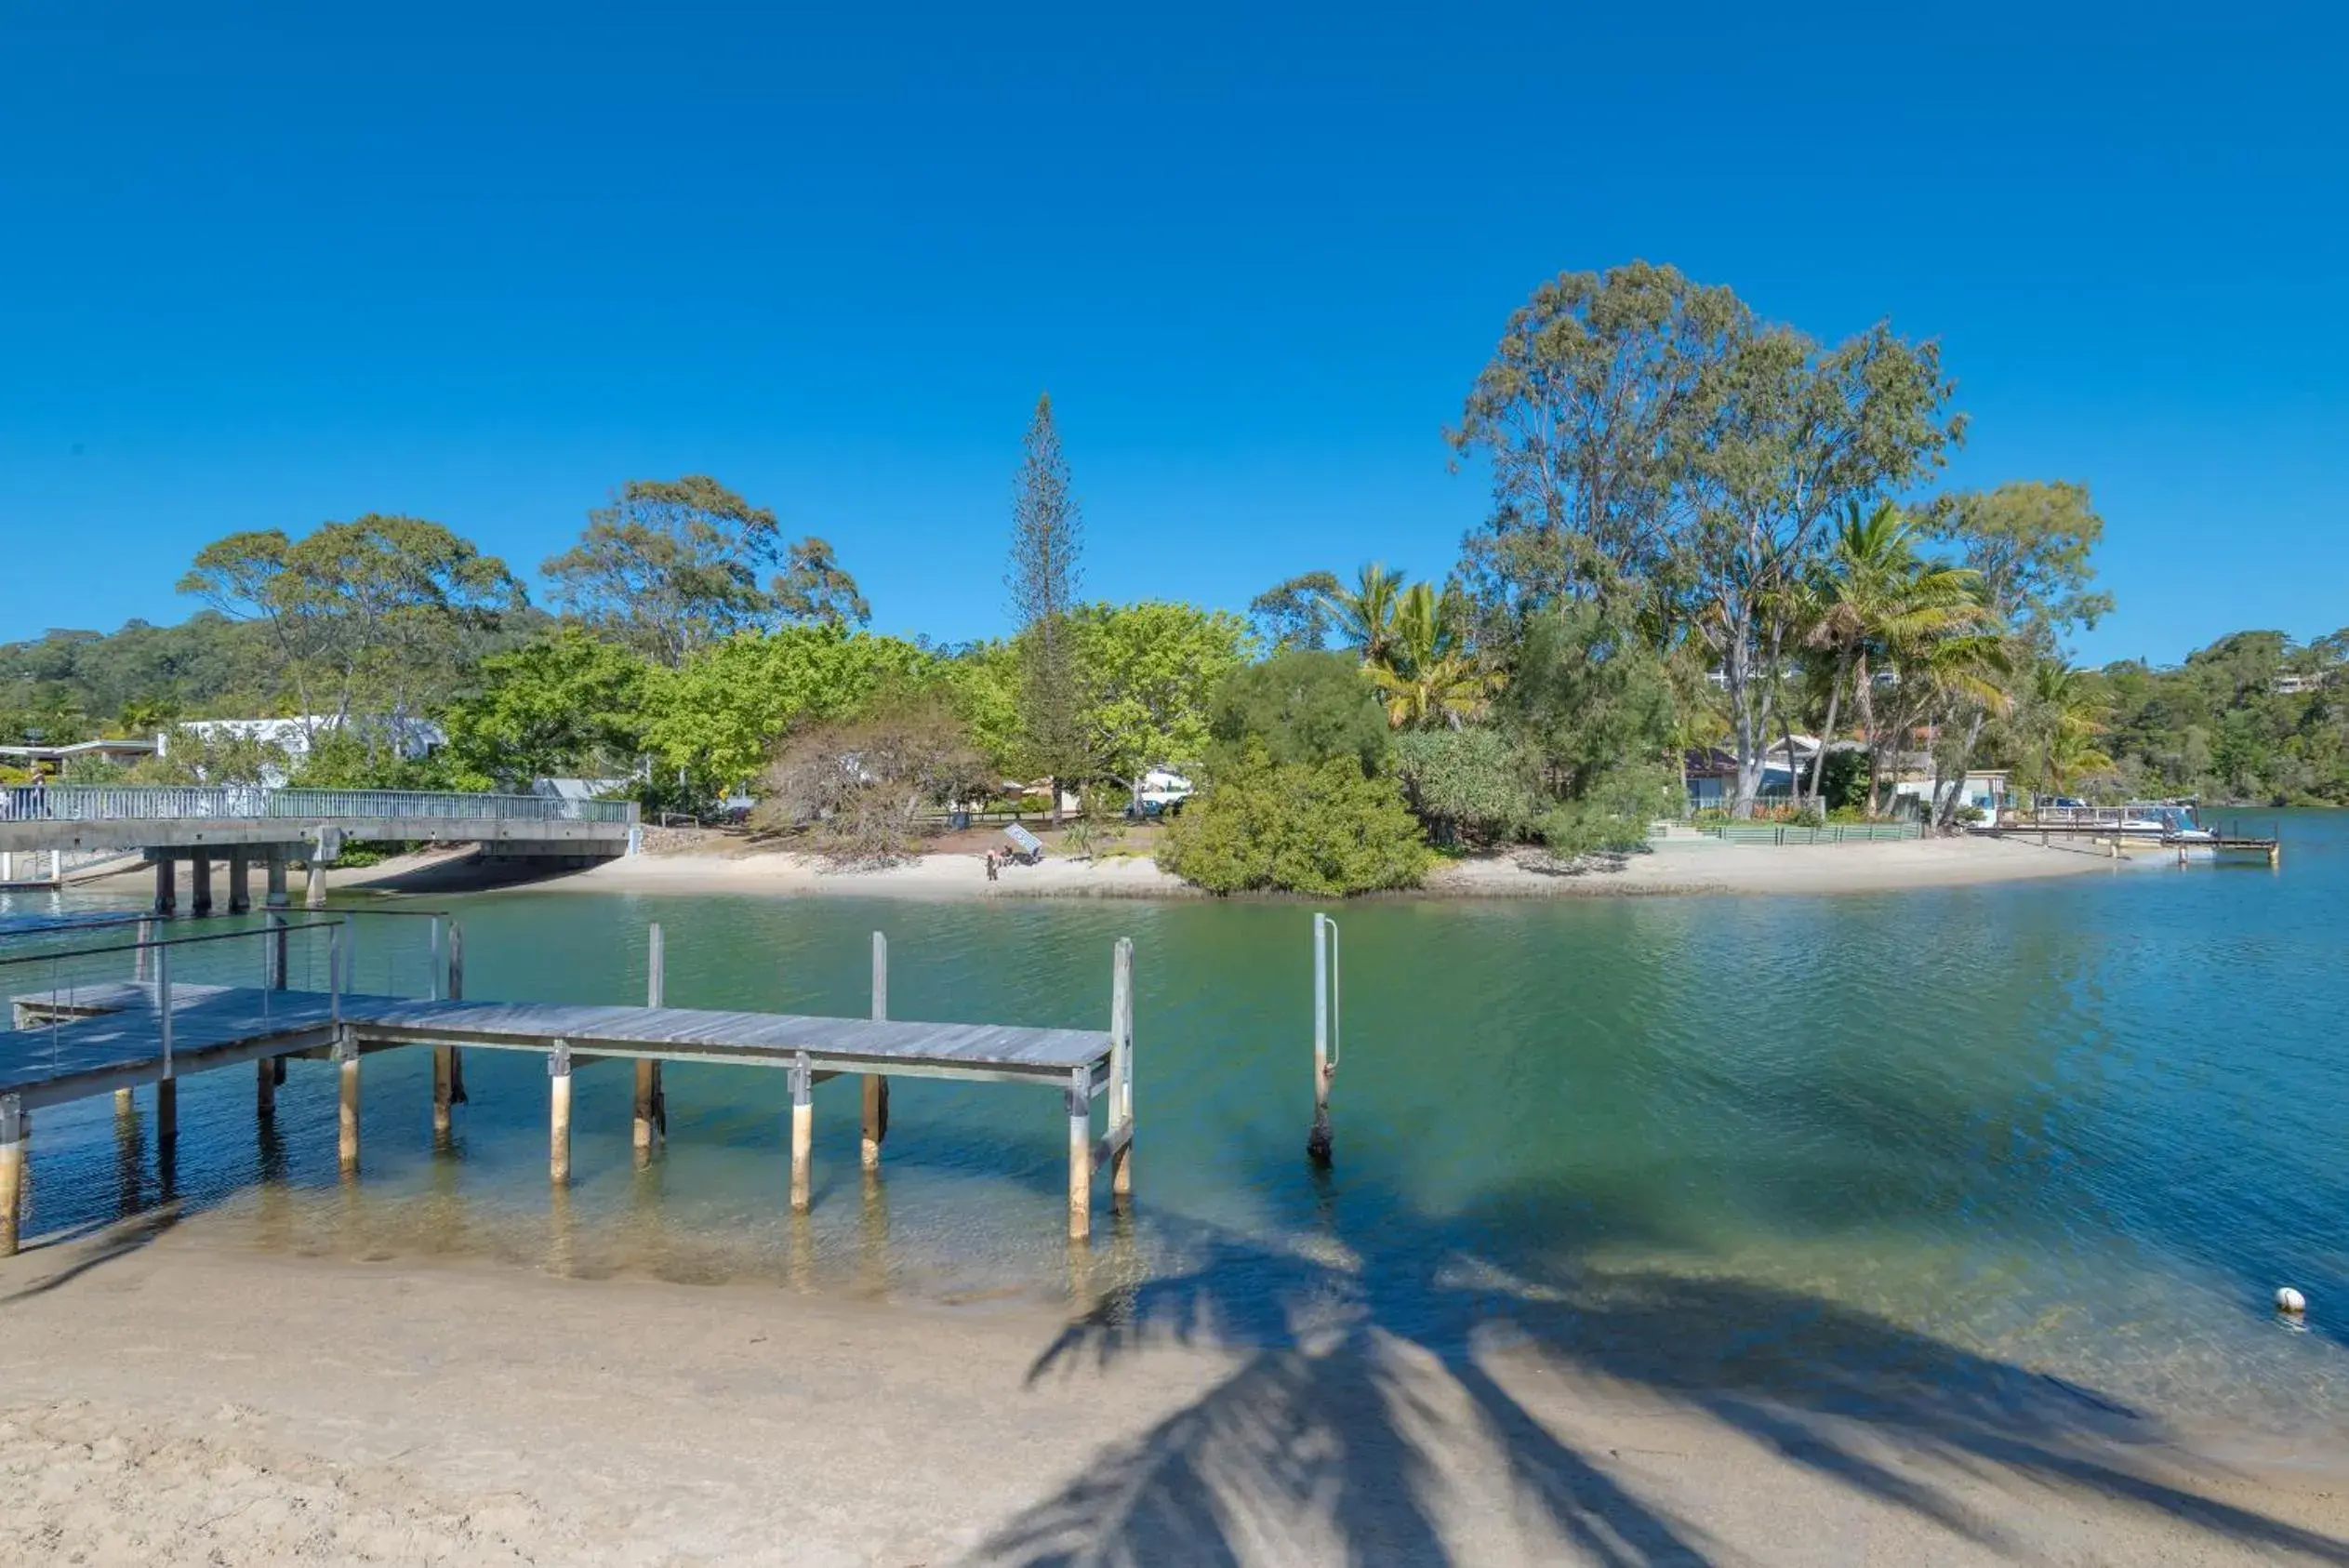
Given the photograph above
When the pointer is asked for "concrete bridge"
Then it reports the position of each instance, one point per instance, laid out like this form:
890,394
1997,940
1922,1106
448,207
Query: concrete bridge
241,823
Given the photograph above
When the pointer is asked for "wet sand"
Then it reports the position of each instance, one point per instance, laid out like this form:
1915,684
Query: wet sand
172,1399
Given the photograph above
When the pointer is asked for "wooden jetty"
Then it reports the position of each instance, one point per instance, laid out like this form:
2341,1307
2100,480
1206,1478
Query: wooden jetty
70,1043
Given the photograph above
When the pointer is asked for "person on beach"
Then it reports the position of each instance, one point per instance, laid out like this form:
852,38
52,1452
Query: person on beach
991,865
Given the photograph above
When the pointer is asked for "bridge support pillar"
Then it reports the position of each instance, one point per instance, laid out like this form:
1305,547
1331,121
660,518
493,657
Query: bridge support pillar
239,882
314,896
275,898
166,885
200,884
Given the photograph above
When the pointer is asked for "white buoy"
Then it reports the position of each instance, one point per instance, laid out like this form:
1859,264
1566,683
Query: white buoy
2291,1302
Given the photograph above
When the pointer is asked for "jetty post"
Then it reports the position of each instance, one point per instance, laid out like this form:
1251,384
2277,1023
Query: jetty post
1080,1154
559,1113
15,1133
876,1085
1325,1038
200,884
803,1129
448,1061
346,1100
1121,1070
649,1117
168,1087
239,882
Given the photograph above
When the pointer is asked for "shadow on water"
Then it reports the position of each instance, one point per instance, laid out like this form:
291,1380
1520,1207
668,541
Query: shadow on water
1329,1413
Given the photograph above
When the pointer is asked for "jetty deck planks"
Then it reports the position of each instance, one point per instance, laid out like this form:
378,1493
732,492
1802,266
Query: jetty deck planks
71,1043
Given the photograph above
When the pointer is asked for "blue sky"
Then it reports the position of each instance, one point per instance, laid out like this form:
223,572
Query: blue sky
269,265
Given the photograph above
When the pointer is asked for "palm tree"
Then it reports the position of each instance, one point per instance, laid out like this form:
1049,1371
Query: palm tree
1880,606
1426,672
2062,717
1366,612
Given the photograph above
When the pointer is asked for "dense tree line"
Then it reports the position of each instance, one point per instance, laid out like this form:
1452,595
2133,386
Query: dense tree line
1706,531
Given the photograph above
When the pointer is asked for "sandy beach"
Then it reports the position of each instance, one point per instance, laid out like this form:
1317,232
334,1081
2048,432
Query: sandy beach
173,1400
711,863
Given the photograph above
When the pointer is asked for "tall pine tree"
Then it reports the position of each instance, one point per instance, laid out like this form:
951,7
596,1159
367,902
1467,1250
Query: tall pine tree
1047,538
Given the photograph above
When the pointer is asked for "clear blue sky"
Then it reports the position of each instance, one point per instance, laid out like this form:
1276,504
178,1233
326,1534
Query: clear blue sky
267,265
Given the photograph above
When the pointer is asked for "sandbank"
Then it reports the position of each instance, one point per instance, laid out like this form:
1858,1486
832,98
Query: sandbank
714,863
175,1398
1712,867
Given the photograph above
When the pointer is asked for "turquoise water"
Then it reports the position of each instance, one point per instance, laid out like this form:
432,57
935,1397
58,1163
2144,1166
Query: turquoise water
2081,1127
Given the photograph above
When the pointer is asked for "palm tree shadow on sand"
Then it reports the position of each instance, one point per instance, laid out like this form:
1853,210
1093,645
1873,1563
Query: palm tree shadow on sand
1359,1378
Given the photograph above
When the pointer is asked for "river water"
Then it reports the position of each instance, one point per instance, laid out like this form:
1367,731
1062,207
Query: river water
2081,1128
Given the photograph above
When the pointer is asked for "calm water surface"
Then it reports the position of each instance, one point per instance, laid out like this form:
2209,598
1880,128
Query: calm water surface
2081,1127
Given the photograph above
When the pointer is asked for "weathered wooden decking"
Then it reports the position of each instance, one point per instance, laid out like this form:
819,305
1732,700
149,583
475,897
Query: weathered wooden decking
113,1029
89,1039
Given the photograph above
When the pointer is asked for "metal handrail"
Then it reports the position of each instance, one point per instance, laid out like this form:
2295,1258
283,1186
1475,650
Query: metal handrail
249,931
123,802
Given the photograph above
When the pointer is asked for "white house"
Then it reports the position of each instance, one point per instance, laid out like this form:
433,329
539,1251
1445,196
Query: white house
411,738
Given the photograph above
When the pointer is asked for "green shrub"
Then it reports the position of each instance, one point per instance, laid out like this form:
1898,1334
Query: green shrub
1613,814
1303,706
1469,783
1323,828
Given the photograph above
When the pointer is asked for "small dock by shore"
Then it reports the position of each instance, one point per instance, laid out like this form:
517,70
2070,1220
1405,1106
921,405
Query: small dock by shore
119,1035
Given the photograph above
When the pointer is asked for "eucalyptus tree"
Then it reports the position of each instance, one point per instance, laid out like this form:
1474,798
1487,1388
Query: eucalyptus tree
814,586
670,566
1655,449
1586,417
1296,613
381,616
1796,435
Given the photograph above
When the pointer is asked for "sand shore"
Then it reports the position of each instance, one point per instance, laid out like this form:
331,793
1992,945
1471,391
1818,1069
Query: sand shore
173,1398
960,873
1708,868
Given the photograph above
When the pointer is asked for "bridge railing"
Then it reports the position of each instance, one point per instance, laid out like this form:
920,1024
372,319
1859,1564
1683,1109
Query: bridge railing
123,802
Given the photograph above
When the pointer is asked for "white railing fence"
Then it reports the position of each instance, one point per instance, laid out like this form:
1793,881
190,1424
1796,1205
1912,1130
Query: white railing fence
113,803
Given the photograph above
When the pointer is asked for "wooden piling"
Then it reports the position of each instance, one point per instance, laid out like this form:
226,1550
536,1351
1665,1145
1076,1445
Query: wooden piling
1080,1154
167,1116
648,1070
455,992
442,1091
1122,1067
559,1114
122,1102
1317,1141
876,1109
15,1133
347,1106
803,1130
265,1086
